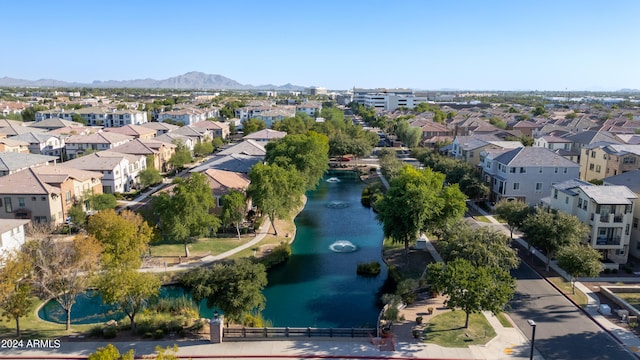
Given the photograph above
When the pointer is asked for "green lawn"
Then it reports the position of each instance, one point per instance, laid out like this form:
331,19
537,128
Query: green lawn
481,218
579,297
503,320
203,246
447,330
33,327
632,298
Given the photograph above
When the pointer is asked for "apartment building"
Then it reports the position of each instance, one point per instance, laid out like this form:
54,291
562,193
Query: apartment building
97,116
631,180
119,171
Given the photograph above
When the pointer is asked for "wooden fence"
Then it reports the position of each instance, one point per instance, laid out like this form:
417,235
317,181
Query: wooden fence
291,332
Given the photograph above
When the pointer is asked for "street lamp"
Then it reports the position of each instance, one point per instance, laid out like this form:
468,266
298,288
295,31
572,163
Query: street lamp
533,336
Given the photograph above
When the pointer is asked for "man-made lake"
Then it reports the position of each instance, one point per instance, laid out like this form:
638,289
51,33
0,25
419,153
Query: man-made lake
318,286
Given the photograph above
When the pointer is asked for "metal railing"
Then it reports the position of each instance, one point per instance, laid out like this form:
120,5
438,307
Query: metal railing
293,332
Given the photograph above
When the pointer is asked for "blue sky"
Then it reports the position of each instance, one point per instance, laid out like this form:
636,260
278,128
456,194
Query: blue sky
470,45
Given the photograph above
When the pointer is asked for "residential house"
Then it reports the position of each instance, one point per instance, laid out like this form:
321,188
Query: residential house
583,139
433,133
526,173
12,234
275,114
188,115
78,145
135,131
161,128
607,210
222,182
160,151
44,194
12,129
119,171
55,123
43,143
12,162
171,138
13,145
265,135
605,159
311,108
218,129
246,147
559,145
631,180
197,134
239,163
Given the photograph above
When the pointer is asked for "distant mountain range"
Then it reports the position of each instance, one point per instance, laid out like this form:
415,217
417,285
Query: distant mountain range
190,80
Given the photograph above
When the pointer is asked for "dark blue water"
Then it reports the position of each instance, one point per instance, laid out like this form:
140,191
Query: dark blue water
318,287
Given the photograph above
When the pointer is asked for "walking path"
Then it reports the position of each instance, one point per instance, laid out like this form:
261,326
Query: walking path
623,336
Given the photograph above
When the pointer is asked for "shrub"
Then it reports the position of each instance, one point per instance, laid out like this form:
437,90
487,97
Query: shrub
368,269
96,331
158,334
109,332
280,254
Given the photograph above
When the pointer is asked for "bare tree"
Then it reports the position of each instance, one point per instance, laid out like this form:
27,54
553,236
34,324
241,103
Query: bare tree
62,270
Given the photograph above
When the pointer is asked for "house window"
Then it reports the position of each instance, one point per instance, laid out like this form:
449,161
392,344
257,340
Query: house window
593,153
67,197
538,187
626,229
579,203
566,199
516,186
598,168
21,202
512,170
540,170
33,198
565,170
43,198
555,193
523,170
635,222
7,205
591,166
555,170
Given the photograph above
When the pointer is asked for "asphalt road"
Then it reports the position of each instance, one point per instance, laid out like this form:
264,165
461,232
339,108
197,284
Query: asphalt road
562,330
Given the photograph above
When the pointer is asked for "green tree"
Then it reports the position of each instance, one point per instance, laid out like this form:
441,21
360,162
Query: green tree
101,202
513,212
181,156
308,153
110,352
78,118
203,149
128,289
252,125
480,246
550,231
579,261
472,288
234,205
149,177
125,237
416,201
390,165
77,214
276,191
186,213
15,287
570,116
235,288
29,114
62,270
538,111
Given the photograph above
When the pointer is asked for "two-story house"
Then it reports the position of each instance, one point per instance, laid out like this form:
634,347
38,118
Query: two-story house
222,182
44,194
525,173
559,145
78,145
265,135
217,129
605,159
12,234
13,145
606,210
631,180
43,143
160,151
119,171
160,128
469,148
311,108
13,162
135,131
